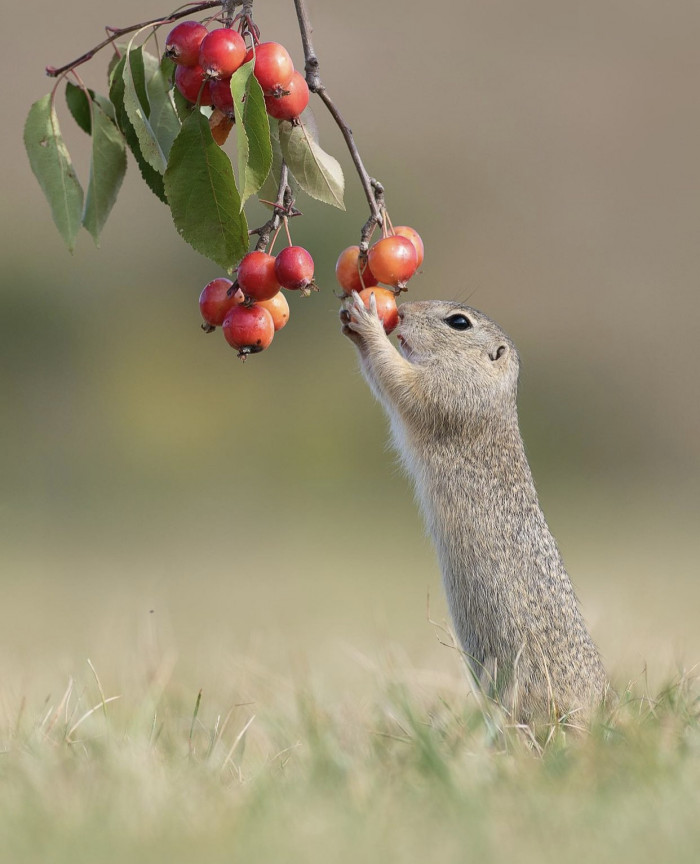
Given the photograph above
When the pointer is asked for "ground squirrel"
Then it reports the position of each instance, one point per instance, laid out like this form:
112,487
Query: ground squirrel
451,398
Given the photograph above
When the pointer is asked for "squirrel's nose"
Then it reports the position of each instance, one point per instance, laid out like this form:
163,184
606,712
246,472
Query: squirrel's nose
400,311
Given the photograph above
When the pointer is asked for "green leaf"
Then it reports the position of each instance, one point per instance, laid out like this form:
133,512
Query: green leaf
106,171
318,174
137,109
114,61
270,188
183,107
163,117
252,130
79,105
142,65
153,179
52,167
202,194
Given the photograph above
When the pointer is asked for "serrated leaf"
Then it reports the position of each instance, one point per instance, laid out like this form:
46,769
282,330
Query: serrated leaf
152,178
163,117
107,170
318,173
202,194
252,130
270,188
137,109
52,167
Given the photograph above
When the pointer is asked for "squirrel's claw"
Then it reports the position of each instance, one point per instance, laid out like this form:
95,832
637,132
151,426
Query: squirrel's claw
360,323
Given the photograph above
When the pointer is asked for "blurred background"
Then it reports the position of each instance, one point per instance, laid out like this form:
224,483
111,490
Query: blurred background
160,498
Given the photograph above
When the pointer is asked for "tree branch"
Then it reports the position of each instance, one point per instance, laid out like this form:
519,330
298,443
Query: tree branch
283,206
374,191
117,32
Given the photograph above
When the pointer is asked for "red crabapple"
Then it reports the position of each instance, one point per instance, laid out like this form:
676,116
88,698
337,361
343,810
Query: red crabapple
290,105
221,96
415,238
386,306
215,302
393,260
347,271
273,66
256,276
294,268
278,307
189,81
249,329
222,51
182,44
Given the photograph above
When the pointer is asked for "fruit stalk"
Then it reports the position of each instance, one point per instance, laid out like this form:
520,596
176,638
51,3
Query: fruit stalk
373,190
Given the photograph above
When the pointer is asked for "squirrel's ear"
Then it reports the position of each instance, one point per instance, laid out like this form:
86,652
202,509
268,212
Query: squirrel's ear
498,353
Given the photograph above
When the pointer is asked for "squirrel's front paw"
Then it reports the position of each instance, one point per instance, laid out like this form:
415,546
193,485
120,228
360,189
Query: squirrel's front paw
360,323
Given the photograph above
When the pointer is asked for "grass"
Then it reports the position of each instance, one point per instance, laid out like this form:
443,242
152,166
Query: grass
410,771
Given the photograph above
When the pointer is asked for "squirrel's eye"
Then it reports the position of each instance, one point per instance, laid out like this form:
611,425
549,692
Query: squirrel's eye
458,322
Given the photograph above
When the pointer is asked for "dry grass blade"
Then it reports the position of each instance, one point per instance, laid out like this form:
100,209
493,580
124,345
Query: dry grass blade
88,713
236,742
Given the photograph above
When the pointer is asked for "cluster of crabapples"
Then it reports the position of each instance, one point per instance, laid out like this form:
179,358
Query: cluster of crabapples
391,261
253,308
207,60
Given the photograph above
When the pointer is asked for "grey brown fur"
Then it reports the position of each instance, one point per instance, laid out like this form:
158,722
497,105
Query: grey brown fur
451,399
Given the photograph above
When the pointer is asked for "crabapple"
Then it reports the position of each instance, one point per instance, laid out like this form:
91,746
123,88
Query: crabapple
386,306
249,329
182,44
415,238
215,302
294,268
348,273
189,81
291,104
221,96
256,276
273,66
278,307
222,51
393,260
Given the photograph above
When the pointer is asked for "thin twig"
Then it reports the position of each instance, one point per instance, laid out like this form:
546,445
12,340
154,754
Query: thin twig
117,32
374,191
283,206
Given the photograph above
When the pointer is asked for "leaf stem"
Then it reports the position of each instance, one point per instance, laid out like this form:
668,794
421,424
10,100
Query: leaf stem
374,191
117,32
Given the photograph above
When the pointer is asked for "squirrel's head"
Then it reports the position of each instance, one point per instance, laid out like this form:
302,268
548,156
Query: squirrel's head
471,359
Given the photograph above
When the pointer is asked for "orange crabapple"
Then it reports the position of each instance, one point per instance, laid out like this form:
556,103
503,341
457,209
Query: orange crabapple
386,306
351,277
393,260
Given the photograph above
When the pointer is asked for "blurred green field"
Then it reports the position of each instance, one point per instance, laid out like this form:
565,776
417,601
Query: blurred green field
187,522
